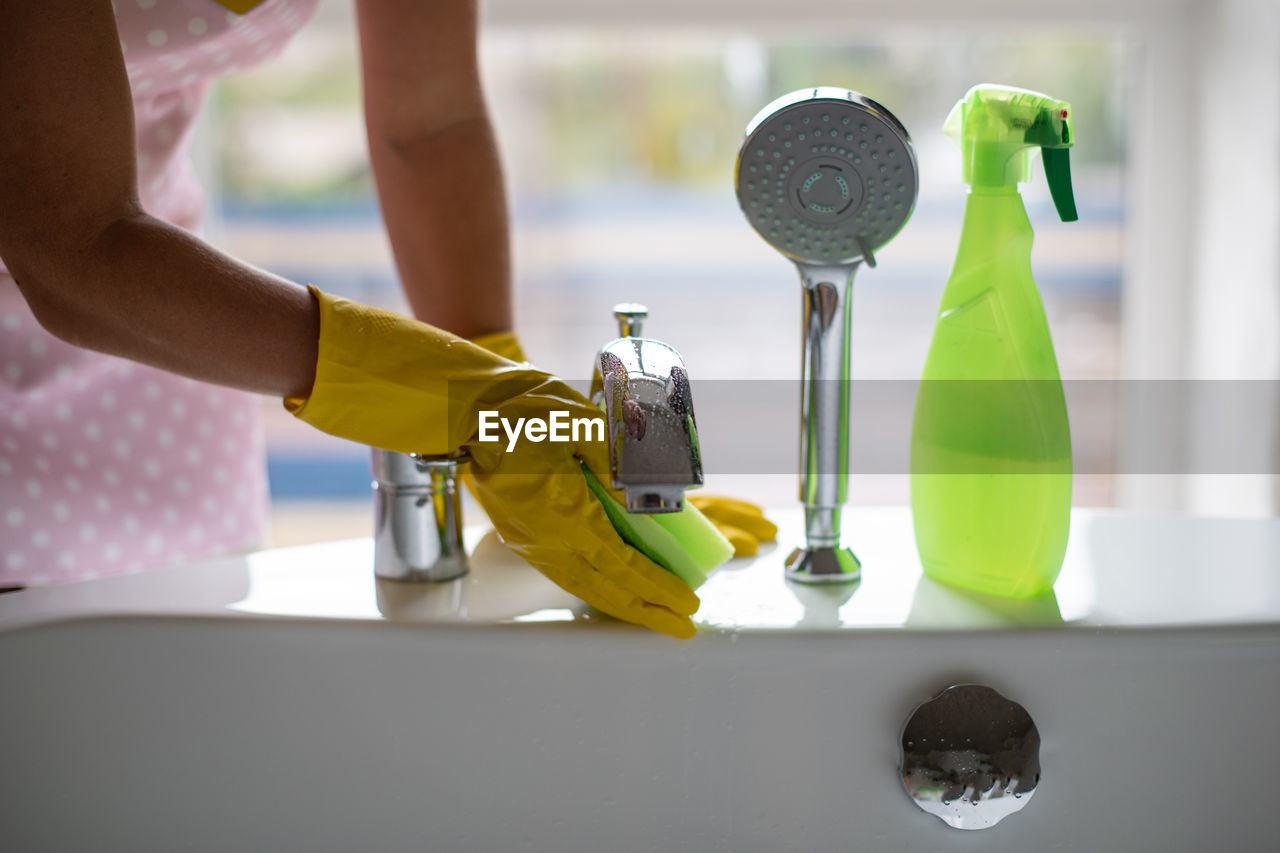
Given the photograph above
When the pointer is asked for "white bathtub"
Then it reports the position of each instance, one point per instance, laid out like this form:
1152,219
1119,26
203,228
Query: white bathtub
286,701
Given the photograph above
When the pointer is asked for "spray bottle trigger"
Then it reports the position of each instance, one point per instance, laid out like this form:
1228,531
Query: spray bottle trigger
1057,169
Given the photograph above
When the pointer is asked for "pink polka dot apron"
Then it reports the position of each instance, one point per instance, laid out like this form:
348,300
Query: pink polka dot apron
107,466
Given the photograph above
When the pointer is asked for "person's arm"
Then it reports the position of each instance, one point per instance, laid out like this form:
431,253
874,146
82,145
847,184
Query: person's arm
95,268
435,162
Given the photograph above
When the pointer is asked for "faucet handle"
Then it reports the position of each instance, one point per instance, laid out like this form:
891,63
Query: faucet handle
630,317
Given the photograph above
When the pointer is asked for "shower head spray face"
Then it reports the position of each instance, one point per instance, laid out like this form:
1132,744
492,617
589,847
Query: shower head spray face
826,176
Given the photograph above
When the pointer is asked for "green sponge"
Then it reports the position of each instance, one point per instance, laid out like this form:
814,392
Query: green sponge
684,543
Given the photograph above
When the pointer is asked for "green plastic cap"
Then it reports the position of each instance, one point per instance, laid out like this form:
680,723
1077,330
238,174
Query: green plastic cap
996,125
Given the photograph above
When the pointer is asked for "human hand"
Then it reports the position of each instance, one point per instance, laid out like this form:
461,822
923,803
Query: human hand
392,382
540,502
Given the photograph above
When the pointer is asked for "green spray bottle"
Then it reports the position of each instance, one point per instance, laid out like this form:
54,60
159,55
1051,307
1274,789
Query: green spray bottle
990,442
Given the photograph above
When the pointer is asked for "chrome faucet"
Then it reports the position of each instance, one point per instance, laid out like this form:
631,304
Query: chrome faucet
417,517
643,387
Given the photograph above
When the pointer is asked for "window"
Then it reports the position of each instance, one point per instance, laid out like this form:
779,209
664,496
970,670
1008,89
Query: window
619,146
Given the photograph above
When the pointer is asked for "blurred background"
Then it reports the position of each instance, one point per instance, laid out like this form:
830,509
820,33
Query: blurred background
619,142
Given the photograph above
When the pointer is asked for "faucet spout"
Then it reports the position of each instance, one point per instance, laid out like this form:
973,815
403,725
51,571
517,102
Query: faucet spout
643,387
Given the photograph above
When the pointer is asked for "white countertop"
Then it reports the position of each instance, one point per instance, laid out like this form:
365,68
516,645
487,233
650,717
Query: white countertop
1122,570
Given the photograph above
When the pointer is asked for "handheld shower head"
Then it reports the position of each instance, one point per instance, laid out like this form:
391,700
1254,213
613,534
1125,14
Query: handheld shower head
826,176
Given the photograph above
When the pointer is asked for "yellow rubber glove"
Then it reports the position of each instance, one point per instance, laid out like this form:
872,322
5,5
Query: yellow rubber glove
742,523
391,382
504,344
508,346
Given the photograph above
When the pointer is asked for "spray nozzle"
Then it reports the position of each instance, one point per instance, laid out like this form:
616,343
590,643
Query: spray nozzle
996,125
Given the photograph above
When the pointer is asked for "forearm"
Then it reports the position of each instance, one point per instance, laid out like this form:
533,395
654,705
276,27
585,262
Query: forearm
147,291
445,209
435,161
